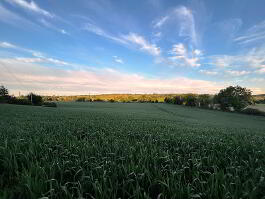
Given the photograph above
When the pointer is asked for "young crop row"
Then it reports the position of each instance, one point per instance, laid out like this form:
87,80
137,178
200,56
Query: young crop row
128,151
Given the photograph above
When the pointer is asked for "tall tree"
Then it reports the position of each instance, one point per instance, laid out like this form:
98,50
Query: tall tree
234,96
3,91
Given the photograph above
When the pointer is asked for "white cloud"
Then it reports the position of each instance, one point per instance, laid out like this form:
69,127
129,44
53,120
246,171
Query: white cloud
207,72
64,32
187,23
128,40
143,44
118,60
100,32
7,45
42,60
237,73
38,57
30,6
11,18
181,56
47,80
261,71
160,22
180,19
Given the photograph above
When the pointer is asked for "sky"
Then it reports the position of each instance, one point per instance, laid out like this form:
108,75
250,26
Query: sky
54,47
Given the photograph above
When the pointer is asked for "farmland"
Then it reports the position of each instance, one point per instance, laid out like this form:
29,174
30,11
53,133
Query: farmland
130,150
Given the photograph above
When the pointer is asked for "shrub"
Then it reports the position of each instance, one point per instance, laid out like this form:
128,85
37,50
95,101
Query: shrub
252,111
177,100
190,100
111,100
204,100
14,100
167,100
98,100
49,104
35,99
81,99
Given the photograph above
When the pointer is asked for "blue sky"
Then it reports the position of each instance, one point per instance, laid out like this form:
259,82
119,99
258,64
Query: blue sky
153,46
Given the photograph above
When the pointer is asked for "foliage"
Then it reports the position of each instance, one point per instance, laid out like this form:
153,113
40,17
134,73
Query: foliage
179,100
204,100
19,101
132,150
236,97
81,99
190,100
35,99
3,91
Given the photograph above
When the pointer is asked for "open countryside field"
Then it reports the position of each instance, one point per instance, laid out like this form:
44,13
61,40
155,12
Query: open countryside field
260,107
130,150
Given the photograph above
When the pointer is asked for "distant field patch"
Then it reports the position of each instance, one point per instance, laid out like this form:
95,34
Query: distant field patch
260,107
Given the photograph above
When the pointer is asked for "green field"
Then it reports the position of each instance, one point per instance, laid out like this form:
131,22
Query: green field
130,150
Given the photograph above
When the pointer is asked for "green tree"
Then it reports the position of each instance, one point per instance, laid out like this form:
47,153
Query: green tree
204,100
35,99
3,91
234,96
190,100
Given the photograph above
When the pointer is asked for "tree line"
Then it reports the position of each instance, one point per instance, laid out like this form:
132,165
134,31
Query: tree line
30,99
232,98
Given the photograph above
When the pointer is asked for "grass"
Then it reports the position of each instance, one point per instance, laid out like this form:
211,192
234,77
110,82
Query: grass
116,150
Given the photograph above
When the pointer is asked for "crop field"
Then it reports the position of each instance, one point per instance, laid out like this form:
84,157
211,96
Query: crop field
130,150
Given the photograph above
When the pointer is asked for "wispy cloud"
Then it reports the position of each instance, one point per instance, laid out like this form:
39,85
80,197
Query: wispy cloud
11,18
100,32
7,45
254,34
131,39
187,23
253,58
30,6
181,56
118,60
208,72
142,43
160,22
42,60
53,27
237,73
183,19
38,57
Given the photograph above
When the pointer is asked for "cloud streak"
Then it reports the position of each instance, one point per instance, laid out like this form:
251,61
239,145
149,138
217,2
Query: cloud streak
253,35
142,43
130,40
184,18
30,6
